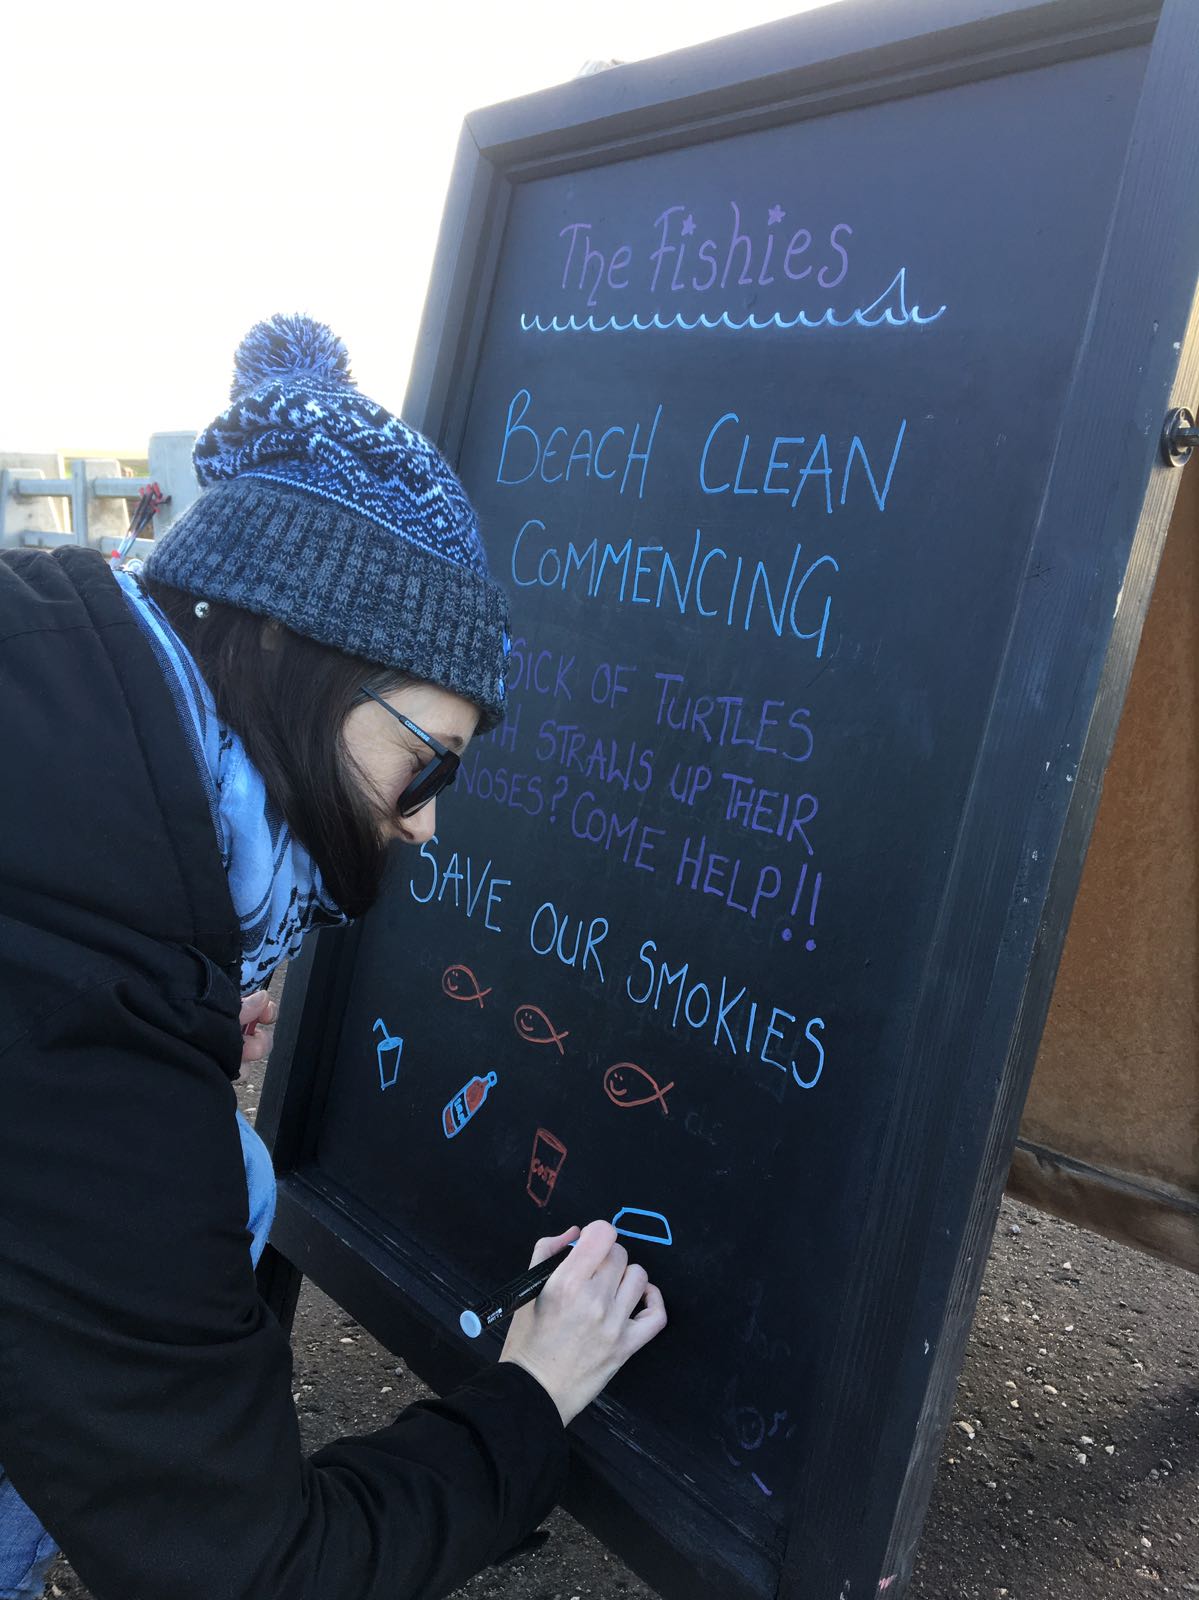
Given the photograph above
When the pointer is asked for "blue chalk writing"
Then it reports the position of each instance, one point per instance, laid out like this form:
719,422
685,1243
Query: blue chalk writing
632,839
524,444
549,934
810,1083
597,759
505,733
817,883
604,572
744,481
725,1013
687,784
705,871
521,791
609,682
718,719
544,672
462,881
769,810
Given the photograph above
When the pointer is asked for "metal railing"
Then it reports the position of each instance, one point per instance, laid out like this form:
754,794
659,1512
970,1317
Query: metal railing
24,489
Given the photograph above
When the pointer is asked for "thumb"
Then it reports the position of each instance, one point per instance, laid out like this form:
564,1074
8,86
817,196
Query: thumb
257,1008
544,1248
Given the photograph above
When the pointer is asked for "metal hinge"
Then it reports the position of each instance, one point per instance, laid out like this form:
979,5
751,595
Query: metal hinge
1179,437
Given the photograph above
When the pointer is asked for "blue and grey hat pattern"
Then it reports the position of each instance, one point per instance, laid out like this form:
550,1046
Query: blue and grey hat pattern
325,511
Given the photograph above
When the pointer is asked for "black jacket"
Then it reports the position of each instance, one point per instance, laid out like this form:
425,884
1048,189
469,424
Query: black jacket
145,1390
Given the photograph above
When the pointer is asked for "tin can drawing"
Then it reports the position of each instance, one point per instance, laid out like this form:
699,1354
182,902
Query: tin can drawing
548,1155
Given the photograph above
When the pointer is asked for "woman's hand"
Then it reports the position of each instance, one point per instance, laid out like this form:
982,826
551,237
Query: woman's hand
584,1325
258,1014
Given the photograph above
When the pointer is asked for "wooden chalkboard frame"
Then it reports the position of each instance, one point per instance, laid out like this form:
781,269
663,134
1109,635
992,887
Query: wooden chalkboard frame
1103,521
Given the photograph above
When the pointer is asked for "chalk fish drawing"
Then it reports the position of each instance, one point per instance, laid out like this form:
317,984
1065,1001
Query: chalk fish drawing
457,1112
640,1220
620,1082
388,1071
548,1155
535,1027
454,980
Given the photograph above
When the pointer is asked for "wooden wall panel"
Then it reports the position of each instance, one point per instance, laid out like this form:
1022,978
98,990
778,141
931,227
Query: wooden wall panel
1110,1135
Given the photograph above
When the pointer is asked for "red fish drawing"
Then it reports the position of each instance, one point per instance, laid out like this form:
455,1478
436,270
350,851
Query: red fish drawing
535,1027
454,980
620,1085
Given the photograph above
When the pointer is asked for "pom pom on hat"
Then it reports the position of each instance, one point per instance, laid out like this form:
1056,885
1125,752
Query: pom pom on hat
331,515
284,346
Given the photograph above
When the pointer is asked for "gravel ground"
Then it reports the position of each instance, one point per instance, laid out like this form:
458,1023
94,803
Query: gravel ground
1070,1472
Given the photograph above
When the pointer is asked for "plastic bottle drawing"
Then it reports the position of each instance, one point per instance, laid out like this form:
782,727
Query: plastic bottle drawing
465,1103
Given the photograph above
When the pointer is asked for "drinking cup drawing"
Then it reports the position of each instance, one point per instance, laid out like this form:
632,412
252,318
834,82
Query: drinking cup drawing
388,1042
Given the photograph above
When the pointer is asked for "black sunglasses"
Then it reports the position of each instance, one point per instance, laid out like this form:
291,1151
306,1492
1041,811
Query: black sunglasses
431,779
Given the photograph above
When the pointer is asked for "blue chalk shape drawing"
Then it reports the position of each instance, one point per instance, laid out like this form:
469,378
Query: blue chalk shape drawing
640,1220
388,1073
890,308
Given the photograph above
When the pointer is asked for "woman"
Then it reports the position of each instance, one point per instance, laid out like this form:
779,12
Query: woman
204,761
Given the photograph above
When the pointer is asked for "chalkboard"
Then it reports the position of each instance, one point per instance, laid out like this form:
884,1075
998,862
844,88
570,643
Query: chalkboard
809,387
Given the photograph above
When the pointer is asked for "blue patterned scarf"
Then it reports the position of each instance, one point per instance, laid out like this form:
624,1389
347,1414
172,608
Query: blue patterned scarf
275,884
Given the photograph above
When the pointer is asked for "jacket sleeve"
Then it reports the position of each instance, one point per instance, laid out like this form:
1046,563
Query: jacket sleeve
145,1390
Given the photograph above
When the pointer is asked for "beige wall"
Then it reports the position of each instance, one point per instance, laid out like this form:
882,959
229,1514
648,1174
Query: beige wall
1116,1085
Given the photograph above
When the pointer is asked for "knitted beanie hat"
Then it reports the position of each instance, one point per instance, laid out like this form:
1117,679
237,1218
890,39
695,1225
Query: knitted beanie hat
326,512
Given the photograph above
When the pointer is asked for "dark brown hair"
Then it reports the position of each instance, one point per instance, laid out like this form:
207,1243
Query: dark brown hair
287,698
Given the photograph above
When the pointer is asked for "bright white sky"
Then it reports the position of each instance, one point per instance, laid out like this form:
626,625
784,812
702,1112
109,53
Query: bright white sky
177,171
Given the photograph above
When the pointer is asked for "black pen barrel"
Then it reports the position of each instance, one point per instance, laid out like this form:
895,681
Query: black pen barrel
498,1307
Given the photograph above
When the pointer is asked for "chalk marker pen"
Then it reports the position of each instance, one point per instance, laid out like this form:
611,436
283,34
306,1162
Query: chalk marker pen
498,1307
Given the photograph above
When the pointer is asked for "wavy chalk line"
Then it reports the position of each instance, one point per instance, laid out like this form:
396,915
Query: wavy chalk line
871,316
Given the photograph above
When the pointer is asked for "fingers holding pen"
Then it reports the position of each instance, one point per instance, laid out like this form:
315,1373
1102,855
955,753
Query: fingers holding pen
647,1323
594,1312
258,1014
597,1264
596,1242
551,1244
630,1291
608,1276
